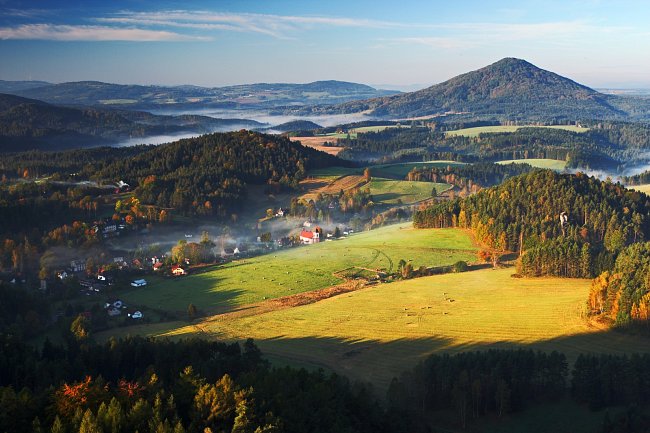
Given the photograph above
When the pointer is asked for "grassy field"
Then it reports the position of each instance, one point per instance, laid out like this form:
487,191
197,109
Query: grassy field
302,269
552,164
388,191
642,188
474,132
399,171
376,333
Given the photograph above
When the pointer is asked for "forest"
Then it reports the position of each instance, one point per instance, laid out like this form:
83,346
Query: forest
163,386
606,145
494,383
193,385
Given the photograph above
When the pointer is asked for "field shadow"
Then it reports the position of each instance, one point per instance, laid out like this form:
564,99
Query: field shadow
386,196
377,362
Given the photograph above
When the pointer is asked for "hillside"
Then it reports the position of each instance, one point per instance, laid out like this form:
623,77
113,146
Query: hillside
510,88
27,124
96,93
601,219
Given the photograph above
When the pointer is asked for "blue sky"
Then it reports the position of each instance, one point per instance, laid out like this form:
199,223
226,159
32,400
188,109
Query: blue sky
212,43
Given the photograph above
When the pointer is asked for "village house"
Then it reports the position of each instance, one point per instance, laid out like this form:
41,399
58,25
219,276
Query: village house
280,213
310,237
178,271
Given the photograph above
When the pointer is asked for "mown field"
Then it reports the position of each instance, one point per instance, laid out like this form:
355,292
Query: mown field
377,332
302,269
474,132
552,164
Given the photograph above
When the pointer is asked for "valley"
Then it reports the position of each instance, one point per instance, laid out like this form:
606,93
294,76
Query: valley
271,257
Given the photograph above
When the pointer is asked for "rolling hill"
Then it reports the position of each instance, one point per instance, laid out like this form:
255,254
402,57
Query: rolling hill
32,124
260,95
510,88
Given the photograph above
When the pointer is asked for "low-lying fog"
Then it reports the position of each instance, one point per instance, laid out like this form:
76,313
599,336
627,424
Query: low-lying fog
264,116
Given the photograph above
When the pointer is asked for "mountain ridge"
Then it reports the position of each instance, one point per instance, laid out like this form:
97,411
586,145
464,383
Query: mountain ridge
98,93
509,88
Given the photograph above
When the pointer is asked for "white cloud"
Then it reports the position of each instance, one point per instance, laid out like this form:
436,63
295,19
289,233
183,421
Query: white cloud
52,32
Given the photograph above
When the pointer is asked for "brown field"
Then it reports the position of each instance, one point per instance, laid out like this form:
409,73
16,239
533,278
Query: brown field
325,186
317,143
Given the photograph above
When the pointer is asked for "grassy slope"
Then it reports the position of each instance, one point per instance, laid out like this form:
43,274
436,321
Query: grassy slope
474,132
388,191
302,269
376,333
552,164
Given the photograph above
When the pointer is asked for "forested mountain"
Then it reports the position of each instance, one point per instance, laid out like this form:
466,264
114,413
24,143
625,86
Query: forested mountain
96,93
204,175
31,124
508,89
523,214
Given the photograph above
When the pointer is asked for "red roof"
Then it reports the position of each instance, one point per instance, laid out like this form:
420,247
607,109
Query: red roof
306,234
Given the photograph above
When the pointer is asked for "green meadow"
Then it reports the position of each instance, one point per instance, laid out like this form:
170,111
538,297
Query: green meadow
474,132
302,269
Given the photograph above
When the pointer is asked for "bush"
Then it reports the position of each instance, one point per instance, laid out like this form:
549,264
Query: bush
460,266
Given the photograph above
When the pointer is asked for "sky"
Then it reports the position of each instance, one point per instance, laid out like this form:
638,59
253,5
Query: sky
387,44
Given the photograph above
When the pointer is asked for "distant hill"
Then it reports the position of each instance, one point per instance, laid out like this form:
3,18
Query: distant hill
13,86
261,95
510,88
295,125
32,124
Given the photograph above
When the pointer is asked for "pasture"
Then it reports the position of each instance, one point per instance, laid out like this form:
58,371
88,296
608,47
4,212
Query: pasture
388,191
400,170
476,131
302,269
552,164
376,333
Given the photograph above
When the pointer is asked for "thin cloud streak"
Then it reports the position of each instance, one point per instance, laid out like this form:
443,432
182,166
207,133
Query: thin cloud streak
273,25
51,32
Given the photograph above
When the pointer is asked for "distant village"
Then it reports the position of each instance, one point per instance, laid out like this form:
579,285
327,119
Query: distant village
94,277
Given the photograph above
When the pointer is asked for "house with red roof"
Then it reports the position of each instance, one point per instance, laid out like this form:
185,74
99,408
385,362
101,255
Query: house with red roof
308,237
